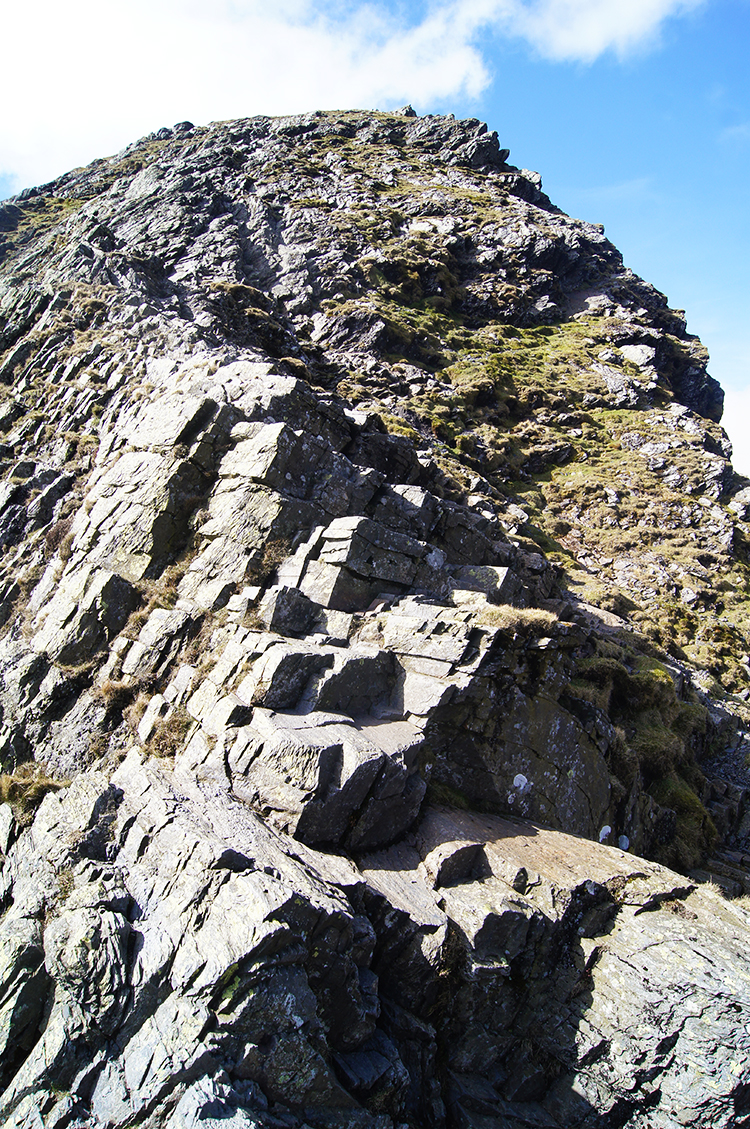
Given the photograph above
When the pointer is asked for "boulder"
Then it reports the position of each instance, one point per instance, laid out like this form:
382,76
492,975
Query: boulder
287,611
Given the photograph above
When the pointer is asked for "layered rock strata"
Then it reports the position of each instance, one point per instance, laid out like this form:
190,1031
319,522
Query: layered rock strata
373,601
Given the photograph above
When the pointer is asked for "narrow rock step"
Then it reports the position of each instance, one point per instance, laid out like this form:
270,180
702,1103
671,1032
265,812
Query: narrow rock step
730,886
738,873
734,858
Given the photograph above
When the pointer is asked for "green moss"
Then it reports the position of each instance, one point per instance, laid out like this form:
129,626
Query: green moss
551,548
692,718
232,987
398,426
658,749
508,393
672,792
696,833
441,793
43,212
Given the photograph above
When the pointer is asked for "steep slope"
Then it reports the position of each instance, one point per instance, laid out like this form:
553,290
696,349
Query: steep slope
357,506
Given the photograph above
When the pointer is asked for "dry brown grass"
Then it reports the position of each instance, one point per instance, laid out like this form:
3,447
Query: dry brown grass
56,535
116,694
160,593
169,733
534,621
135,711
25,788
275,552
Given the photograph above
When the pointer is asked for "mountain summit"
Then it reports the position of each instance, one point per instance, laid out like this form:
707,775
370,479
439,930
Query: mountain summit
374,665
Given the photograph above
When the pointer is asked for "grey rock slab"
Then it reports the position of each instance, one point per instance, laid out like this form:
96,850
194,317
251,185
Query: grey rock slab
287,611
166,1046
312,780
336,587
252,514
242,648
371,550
158,642
220,559
41,510
68,818
332,780
232,910
339,626
86,954
227,713
137,510
394,872
202,967
539,763
171,419
500,583
397,738
452,861
461,535
290,1067
206,595
8,827
390,810
407,509
180,685
610,895
357,681
217,1104
89,607
623,392
203,699
290,572
433,667
279,677
299,464
391,455
202,758
24,983
420,695
155,711
42,1111
434,637
641,355
265,456
262,395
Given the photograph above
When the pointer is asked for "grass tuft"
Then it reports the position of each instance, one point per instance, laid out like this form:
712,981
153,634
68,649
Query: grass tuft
25,788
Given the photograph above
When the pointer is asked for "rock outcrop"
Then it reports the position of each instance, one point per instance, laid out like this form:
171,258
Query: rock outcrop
374,651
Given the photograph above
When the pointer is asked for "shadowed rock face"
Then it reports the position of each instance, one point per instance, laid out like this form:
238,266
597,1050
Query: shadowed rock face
481,971
372,597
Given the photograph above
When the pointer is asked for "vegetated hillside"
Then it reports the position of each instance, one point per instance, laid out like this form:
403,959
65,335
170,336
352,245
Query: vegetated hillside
374,600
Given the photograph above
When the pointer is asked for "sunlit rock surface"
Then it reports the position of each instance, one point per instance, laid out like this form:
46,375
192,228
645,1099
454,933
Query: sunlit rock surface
374,663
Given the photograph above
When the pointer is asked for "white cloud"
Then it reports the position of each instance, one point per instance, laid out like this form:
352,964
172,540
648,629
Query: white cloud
584,29
736,423
722,330
103,72
736,133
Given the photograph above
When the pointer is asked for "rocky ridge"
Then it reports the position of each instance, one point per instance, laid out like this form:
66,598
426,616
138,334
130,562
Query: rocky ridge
374,596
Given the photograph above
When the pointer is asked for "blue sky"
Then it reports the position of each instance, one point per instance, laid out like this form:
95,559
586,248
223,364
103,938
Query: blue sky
636,112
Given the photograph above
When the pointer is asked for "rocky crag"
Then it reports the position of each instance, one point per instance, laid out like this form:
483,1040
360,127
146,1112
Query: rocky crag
374,596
